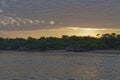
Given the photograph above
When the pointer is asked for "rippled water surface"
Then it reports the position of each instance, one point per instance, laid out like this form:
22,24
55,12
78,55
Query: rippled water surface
58,66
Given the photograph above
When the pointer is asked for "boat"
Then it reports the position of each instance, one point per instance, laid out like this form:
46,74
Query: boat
71,49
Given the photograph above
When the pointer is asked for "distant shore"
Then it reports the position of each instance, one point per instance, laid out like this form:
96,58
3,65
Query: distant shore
66,52
106,51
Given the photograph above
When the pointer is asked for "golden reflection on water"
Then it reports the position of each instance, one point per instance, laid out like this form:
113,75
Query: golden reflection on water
64,66
85,73
79,67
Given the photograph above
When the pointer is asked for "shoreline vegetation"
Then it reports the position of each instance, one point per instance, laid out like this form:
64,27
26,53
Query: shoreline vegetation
68,43
62,52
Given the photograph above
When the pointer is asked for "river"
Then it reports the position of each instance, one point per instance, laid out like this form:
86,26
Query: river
15,65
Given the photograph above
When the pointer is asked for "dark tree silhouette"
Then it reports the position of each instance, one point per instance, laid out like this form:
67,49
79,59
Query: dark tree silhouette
105,41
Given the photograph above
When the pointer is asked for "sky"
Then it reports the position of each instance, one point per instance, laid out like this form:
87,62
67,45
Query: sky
23,18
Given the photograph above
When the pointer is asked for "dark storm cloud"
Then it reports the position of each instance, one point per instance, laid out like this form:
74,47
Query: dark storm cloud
78,13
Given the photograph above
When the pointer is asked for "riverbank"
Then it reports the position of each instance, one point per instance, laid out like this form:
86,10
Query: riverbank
63,51
106,51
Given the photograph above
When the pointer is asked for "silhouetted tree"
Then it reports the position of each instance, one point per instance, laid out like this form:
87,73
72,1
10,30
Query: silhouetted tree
106,41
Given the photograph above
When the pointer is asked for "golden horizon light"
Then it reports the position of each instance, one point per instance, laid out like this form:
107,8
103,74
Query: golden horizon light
58,32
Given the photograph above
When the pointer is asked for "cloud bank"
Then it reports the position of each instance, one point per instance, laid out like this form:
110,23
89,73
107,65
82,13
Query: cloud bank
15,23
43,14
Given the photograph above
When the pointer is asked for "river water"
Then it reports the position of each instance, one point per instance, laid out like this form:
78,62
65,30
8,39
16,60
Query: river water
58,66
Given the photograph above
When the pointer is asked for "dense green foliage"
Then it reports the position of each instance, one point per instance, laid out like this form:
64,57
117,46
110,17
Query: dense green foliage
106,41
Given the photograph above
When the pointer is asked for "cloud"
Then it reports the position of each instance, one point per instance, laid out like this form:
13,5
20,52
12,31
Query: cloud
29,21
3,3
43,21
34,14
1,11
15,22
52,22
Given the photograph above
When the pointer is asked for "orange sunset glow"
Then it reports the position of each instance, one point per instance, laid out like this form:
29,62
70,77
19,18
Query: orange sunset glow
58,32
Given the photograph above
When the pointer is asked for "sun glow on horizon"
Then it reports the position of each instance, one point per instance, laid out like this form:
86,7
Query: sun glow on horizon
89,29
58,32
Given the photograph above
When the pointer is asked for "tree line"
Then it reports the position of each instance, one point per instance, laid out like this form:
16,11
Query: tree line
105,41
